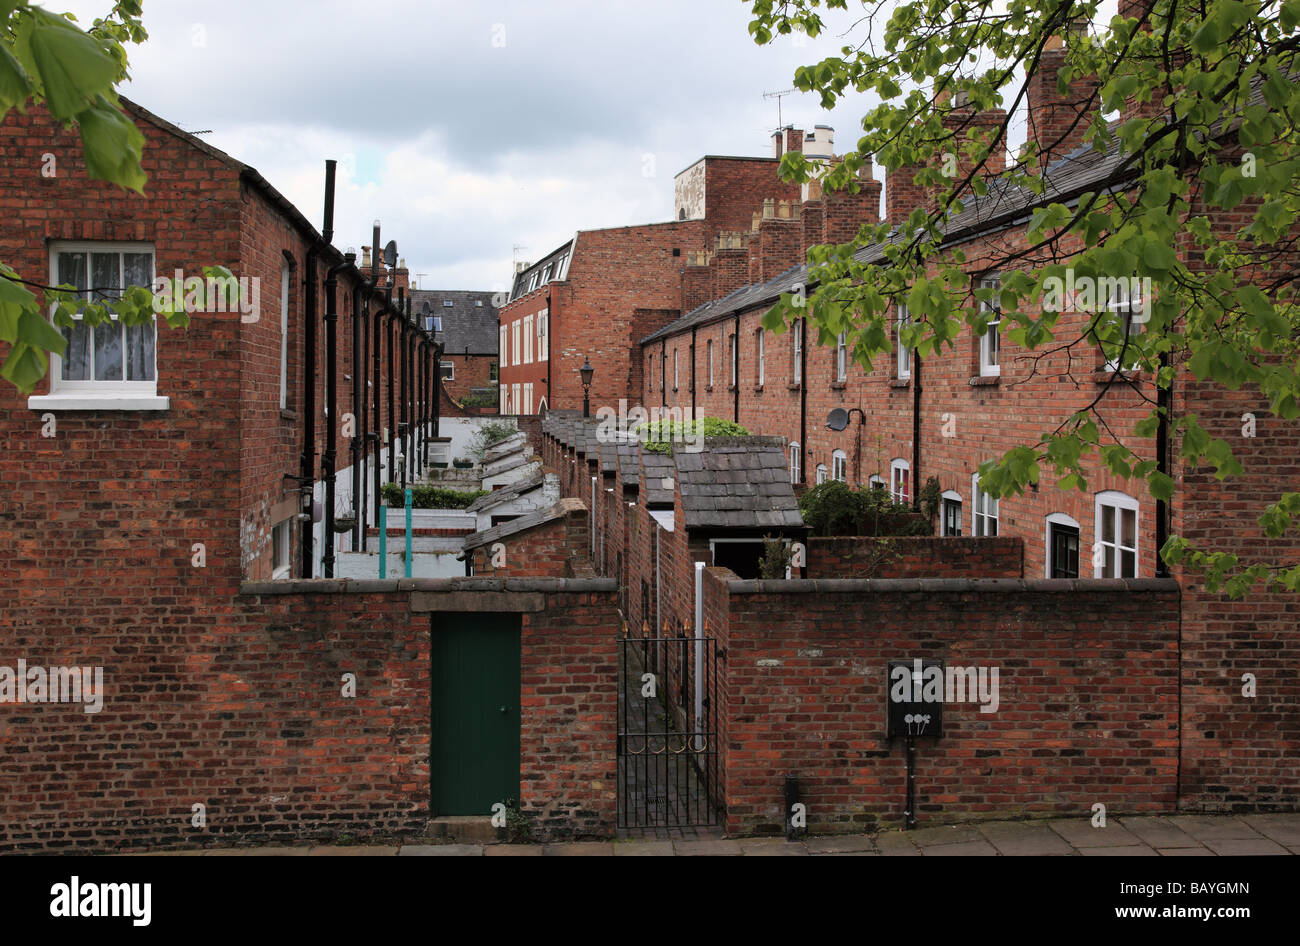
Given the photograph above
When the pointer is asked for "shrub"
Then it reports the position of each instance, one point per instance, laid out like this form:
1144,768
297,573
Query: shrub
479,399
427,496
775,560
494,431
658,436
833,508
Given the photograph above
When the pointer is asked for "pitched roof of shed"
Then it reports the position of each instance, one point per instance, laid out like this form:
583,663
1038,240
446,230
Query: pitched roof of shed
737,483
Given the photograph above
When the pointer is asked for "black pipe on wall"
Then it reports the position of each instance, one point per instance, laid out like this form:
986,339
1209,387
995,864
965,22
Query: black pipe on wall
402,342
356,444
307,465
803,401
735,370
916,430
376,395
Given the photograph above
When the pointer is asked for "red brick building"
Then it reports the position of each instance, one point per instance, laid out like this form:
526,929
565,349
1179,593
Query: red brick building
465,323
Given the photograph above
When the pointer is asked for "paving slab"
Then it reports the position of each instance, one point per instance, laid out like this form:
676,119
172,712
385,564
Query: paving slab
1079,833
896,844
354,850
979,848
706,848
643,848
1023,838
1214,827
839,844
1127,850
1233,847
512,850
579,849
441,850
1282,828
772,847
1185,852
944,834
1158,832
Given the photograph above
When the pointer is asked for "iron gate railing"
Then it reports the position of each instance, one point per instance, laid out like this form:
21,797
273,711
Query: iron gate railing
668,754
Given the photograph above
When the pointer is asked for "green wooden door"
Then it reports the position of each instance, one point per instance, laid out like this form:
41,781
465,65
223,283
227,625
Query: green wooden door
474,757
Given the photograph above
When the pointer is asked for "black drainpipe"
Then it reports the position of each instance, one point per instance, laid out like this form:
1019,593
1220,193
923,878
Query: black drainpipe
307,465
663,370
803,400
735,369
692,373
376,394
356,447
330,458
402,382
1164,400
392,402
916,430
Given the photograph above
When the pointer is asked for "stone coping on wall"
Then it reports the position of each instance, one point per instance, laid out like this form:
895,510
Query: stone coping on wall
737,586
359,586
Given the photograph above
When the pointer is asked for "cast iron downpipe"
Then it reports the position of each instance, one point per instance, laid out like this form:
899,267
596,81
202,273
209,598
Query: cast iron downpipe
330,456
803,401
916,430
692,373
549,348
401,382
1164,401
663,370
735,370
358,411
377,395
307,466
392,404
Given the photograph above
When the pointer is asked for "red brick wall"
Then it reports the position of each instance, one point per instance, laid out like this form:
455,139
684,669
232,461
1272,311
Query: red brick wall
555,549
1088,689
915,557
472,372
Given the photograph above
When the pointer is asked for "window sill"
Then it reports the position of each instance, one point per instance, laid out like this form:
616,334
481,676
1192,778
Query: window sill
286,414
708,387
986,380
74,402
900,382
731,387
674,389
793,386
758,389
839,385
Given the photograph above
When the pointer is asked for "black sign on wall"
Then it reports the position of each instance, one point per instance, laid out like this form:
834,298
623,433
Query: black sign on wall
914,698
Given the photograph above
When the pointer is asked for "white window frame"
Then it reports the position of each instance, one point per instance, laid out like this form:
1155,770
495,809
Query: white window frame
516,396
758,335
514,342
984,510
543,335
822,475
709,347
504,407
795,462
796,345
735,359
528,397
526,337
840,466
841,357
1113,501
442,368
990,341
282,550
904,354
91,394
900,481
1122,306
504,344
876,481
948,498
285,277
1059,519
675,369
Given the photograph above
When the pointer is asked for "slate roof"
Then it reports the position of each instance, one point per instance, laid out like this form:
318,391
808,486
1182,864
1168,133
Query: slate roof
658,468
527,521
737,483
470,321
553,259
1082,170
628,467
507,493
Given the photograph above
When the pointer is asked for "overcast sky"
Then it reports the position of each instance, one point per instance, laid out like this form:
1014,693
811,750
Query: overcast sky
469,128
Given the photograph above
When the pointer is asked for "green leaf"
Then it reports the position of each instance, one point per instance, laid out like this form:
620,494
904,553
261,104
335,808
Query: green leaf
15,86
24,367
74,69
34,330
113,146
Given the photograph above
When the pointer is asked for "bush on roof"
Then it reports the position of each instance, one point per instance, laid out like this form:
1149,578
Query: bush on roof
659,436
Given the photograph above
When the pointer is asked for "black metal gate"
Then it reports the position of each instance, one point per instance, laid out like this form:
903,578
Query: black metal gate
668,754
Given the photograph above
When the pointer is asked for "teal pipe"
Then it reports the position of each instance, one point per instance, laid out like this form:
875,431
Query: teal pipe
409,495
383,540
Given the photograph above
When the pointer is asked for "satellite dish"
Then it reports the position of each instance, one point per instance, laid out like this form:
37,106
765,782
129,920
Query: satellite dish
837,419
390,254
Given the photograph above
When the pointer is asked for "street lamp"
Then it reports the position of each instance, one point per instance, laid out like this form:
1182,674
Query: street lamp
586,371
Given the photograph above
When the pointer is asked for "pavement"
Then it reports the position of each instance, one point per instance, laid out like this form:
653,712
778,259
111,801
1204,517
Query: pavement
1165,836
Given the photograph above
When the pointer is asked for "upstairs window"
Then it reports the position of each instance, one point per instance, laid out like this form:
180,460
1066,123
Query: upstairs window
708,347
841,358
795,469
840,466
502,345
1125,305
526,334
543,334
735,359
904,353
796,345
108,359
990,346
758,347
